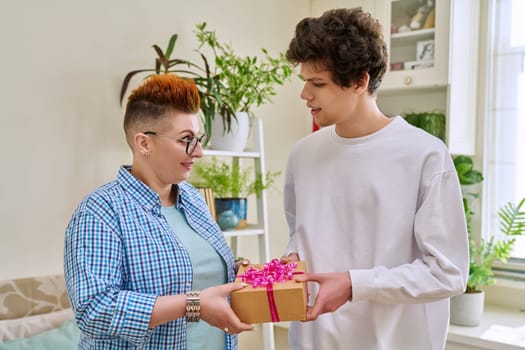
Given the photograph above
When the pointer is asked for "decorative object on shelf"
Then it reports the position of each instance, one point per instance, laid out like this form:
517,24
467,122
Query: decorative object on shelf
412,15
466,309
227,84
228,220
229,180
432,122
420,18
247,81
238,206
425,50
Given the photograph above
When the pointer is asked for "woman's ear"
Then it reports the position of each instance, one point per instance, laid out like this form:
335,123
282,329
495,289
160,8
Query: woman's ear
142,144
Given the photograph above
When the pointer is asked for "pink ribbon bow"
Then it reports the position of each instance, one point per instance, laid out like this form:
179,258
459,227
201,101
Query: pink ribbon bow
272,272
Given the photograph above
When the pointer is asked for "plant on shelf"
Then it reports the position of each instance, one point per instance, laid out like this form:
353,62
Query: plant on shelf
227,83
230,184
248,81
432,122
484,253
230,180
209,85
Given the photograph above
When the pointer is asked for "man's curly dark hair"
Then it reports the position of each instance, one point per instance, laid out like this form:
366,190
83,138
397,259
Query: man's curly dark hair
346,42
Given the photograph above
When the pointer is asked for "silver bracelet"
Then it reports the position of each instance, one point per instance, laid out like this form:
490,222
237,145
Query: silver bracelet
193,306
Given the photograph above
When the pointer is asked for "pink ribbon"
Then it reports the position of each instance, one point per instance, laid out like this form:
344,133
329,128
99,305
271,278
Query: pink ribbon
272,272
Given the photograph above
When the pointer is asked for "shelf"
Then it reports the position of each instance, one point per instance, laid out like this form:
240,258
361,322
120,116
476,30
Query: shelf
413,36
476,336
245,154
250,230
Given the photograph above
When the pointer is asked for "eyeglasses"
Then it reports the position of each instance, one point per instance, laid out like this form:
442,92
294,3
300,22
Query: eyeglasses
190,141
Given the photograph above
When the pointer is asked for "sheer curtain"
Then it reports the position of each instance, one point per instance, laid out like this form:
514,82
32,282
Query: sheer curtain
504,141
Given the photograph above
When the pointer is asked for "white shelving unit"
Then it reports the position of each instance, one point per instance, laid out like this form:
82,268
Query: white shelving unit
259,228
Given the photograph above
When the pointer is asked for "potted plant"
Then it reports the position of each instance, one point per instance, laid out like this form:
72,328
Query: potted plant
234,83
231,184
209,85
247,82
466,309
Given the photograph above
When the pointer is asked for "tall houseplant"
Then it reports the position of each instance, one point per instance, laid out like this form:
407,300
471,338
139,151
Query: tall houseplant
209,85
485,252
228,83
249,82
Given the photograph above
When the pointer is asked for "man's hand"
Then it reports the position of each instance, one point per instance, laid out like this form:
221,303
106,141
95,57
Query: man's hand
335,289
241,262
292,257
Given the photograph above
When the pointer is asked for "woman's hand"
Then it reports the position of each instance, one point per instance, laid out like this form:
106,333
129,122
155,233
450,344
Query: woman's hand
216,310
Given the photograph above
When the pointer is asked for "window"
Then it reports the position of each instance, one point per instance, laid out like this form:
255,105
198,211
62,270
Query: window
505,122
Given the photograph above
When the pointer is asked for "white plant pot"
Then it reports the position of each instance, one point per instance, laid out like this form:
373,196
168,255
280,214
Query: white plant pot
236,139
466,309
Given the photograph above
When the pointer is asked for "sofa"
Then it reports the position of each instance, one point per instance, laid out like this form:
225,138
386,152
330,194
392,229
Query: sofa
35,314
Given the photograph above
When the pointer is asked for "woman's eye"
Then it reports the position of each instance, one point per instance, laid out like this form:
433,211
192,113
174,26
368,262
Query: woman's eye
186,139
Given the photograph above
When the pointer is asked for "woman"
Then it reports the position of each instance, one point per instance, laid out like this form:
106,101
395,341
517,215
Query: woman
139,249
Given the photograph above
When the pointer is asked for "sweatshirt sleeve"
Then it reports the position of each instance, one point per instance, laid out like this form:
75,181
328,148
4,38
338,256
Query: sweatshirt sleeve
441,269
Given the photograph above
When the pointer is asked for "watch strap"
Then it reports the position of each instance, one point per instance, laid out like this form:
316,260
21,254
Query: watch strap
193,306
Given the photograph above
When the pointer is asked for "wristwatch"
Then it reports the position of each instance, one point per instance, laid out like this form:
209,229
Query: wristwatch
193,306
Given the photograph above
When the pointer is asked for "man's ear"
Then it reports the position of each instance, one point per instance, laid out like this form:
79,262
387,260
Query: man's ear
362,85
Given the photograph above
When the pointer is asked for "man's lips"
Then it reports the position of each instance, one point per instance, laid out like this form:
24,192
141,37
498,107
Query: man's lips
314,111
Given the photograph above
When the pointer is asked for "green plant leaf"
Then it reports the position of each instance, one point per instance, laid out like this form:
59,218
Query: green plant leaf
171,45
127,79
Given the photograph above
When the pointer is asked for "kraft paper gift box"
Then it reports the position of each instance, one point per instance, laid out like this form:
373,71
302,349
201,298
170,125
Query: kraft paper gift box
284,301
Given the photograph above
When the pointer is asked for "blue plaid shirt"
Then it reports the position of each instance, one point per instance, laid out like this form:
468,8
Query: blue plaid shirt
120,254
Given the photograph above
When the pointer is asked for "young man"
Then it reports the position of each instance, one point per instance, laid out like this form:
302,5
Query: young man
373,204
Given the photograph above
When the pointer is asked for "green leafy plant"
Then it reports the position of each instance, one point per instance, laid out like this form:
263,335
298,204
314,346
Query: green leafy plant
230,180
209,85
432,122
248,81
485,253
230,84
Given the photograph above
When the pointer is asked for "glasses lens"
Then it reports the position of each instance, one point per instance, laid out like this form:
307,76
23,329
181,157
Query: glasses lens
190,146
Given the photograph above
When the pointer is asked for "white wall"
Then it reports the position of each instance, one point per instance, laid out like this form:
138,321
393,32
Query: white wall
62,64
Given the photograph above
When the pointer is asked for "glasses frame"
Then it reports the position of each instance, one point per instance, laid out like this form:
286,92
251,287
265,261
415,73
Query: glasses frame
191,144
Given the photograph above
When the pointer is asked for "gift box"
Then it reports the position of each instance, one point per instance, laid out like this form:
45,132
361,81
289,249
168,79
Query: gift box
272,294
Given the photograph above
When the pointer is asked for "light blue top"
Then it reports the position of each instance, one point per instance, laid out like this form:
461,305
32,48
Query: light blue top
209,270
